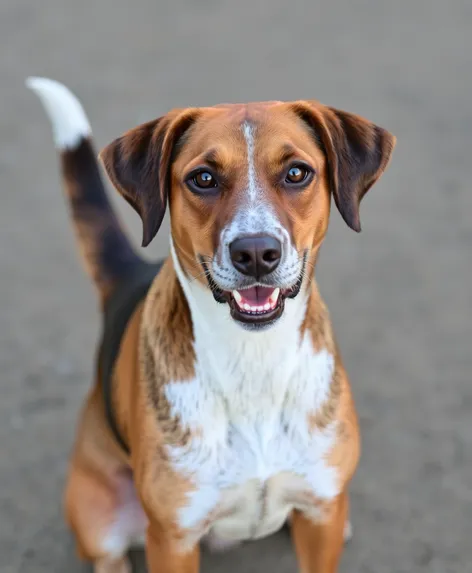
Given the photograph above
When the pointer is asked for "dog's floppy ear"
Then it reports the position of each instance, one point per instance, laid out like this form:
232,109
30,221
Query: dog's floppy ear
357,153
139,162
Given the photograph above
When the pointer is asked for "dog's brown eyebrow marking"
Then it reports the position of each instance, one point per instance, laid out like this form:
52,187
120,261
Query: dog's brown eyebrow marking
286,152
217,159
212,158
282,155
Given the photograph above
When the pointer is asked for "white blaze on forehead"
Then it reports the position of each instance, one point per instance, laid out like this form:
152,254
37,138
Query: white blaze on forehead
248,131
256,214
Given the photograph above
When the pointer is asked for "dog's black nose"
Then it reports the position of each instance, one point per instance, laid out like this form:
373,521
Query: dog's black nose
256,256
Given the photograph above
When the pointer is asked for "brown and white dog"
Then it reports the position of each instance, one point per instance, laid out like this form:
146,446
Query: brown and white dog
221,407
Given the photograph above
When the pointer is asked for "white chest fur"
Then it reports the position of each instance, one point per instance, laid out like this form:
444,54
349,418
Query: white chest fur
253,456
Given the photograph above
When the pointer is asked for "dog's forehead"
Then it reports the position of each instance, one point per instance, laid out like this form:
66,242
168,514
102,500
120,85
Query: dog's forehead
268,124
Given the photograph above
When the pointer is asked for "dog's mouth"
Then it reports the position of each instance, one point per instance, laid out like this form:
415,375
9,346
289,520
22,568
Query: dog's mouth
257,300
257,304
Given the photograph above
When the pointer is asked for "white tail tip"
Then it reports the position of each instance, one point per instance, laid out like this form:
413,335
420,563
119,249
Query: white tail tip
69,122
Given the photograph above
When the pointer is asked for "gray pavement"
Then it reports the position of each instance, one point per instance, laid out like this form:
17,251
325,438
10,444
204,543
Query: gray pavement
400,293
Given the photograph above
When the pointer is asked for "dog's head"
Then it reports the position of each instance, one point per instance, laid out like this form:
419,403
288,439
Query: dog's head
249,189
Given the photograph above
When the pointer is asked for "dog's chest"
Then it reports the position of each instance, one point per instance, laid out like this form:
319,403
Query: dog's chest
253,456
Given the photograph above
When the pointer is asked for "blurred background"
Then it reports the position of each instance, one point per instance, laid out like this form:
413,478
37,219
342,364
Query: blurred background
399,293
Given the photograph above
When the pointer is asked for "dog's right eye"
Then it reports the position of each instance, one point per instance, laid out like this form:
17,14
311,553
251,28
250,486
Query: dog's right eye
201,181
204,180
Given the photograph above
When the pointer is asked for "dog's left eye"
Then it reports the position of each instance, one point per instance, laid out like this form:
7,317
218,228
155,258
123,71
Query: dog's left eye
202,180
298,174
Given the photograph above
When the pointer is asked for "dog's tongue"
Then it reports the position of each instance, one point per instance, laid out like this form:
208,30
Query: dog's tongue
256,296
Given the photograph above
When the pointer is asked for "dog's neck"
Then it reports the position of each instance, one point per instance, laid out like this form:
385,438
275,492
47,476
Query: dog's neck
230,351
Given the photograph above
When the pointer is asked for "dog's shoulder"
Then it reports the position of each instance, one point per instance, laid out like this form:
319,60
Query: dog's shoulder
166,352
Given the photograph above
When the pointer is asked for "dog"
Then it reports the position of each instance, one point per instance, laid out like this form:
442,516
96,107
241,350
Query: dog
220,408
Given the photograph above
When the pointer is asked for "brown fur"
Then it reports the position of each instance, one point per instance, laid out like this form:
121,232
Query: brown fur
148,165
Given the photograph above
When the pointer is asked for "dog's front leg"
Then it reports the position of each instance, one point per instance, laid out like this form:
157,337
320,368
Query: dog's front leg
319,545
164,555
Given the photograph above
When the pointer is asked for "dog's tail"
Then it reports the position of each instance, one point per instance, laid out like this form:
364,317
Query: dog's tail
106,251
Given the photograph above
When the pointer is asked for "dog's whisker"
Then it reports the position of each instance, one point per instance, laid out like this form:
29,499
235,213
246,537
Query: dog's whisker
197,277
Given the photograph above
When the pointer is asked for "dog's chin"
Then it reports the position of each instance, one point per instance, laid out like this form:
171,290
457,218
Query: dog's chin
256,308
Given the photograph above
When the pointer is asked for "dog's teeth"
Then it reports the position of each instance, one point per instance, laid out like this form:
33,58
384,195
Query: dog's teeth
274,296
256,309
237,297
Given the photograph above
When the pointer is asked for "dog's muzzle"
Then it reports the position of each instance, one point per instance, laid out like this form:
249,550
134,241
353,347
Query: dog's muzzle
255,302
